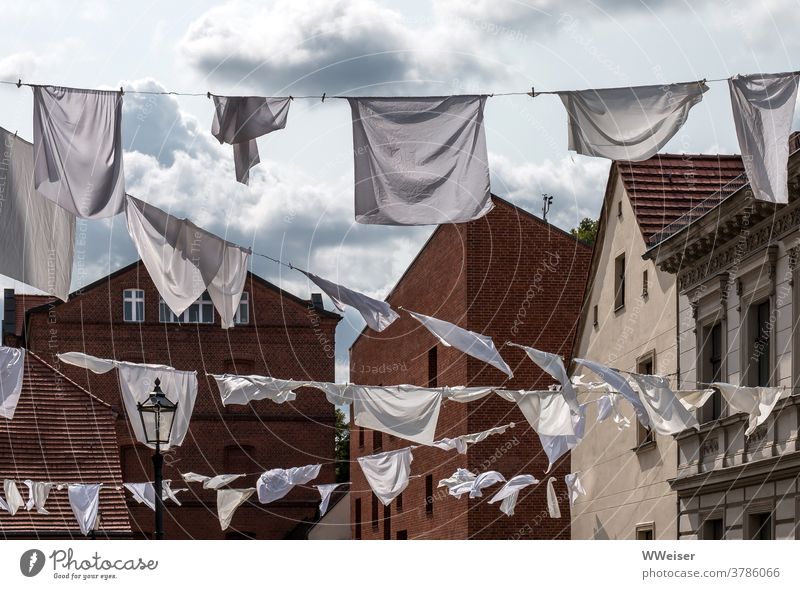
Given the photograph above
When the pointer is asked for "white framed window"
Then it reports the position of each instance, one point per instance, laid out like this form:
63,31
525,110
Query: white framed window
242,316
201,311
133,305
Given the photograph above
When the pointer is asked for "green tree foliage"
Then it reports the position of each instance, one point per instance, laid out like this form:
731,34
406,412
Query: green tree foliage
342,438
586,231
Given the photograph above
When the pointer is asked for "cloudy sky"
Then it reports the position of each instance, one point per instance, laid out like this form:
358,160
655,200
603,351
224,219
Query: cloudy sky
299,204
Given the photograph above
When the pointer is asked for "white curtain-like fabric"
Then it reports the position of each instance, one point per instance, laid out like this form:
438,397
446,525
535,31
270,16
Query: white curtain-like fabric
667,415
509,494
471,343
461,443
556,446
325,493
763,109
38,492
377,314
276,483
215,482
12,371
14,500
387,473
608,405
240,390
694,399
553,365
420,161
85,503
619,384
552,500
77,140
476,485
228,501
629,124
184,260
546,411
757,402
136,382
239,120
459,477
145,493
405,411
574,487
36,235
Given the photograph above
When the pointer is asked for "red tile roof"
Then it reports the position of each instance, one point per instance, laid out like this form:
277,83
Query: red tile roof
60,433
666,187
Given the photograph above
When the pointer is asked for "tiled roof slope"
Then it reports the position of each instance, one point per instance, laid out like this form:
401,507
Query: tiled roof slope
60,433
665,187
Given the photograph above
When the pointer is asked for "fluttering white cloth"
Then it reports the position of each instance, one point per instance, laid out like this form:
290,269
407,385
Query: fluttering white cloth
145,493
476,485
757,402
667,415
37,495
276,483
420,161
553,365
460,476
608,405
574,487
462,443
556,446
546,411
763,109
215,482
387,473
629,124
552,500
77,140
239,120
404,411
377,314
509,494
619,384
136,382
14,500
240,390
85,503
12,371
325,492
228,501
471,343
694,399
36,235
184,260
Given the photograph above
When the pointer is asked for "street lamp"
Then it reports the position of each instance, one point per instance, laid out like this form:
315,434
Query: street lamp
158,414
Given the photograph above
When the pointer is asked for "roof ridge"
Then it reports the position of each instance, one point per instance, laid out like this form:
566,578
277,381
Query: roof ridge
69,380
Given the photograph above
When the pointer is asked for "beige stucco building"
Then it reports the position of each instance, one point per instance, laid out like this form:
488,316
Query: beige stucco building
629,322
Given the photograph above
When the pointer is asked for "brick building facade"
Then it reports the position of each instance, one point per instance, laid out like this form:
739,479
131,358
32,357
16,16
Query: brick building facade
122,317
515,278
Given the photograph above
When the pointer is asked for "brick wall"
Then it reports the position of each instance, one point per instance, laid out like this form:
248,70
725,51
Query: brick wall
514,278
285,338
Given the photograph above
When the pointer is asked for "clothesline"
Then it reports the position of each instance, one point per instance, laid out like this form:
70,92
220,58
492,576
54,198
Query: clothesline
322,97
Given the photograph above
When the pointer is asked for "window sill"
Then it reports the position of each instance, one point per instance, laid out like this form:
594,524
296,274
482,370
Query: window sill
650,445
619,309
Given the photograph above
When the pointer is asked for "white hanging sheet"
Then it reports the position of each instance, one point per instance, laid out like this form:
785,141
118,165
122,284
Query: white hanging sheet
556,446
85,503
460,476
228,501
184,261
37,495
763,109
405,411
509,494
420,161
12,371
240,390
619,384
667,415
628,124
77,141
574,487
136,382
239,120
552,500
553,365
325,493
14,500
694,399
608,405
757,402
276,483
475,486
461,443
387,473
36,235
145,493
471,343
377,314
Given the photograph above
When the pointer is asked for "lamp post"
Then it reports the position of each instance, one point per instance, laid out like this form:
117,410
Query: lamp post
158,414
